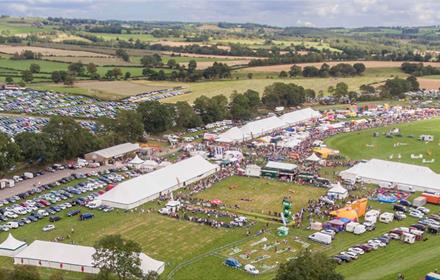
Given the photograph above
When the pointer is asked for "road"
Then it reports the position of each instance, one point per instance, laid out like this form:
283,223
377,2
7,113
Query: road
48,178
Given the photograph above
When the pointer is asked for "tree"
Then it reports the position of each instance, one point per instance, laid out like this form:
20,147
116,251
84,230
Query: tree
77,68
281,94
35,146
240,109
413,83
58,76
115,255
367,89
123,54
396,87
192,66
151,60
253,98
156,117
185,116
92,68
295,71
127,75
27,76
309,266
172,63
211,109
250,76
9,80
34,68
9,152
25,272
341,90
68,138
126,127
310,93
69,78
283,74
360,68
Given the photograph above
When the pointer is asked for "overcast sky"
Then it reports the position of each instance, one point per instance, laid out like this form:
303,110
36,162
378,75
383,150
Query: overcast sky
320,13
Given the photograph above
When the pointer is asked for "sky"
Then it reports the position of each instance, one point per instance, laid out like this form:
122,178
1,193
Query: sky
313,13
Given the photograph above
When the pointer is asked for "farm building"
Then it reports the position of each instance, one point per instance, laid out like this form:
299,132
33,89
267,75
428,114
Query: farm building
105,155
407,177
11,246
71,257
139,190
267,125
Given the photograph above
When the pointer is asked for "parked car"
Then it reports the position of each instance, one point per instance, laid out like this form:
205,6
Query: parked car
251,269
231,262
54,219
48,228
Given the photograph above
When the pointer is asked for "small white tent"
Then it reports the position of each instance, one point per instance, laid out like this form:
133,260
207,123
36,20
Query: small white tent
148,165
136,161
11,246
337,191
313,157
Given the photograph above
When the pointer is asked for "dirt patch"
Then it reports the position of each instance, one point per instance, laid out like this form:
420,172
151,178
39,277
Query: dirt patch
48,51
368,64
429,83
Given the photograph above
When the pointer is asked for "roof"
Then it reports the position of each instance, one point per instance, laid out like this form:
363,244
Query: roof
161,180
11,243
313,157
281,165
337,188
300,116
395,172
136,160
74,255
117,150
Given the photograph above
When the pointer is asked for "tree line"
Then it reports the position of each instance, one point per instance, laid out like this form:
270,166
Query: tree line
418,69
338,70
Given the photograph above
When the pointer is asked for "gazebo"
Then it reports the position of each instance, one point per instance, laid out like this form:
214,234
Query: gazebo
313,158
148,165
136,161
337,191
11,246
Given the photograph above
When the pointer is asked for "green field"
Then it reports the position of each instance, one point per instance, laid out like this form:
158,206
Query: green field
362,145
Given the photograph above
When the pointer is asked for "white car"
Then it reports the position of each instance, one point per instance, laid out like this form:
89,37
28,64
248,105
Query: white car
416,214
358,251
251,269
350,254
48,228
423,209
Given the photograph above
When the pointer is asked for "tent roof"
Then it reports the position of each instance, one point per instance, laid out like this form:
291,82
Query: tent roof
74,254
150,162
299,116
281,165
337,188
136,160
395,172
11,243
117,150
313,157
161,180
233,134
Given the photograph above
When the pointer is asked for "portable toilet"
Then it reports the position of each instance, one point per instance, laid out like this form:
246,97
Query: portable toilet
408,238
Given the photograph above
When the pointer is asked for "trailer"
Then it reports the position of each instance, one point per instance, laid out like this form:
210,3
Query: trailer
433,198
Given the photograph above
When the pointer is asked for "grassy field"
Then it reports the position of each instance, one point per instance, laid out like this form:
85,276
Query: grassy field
362,145
260,195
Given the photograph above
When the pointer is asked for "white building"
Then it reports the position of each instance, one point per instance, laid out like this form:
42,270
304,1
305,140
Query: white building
337,191
105,155
267,125
72,257
404,176
139,190
11,246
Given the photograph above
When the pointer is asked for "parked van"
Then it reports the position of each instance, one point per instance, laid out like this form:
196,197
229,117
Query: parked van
321,238
12,225
359,229
350,226
372,215
85,216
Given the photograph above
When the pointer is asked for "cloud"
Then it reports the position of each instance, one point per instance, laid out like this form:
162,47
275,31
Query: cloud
276,12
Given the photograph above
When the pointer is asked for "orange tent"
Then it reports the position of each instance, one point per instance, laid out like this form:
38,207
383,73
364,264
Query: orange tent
347,213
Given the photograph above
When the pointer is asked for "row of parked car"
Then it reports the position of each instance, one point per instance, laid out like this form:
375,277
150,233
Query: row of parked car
52,201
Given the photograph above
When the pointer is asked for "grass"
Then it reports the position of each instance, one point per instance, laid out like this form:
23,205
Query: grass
354,145
265,195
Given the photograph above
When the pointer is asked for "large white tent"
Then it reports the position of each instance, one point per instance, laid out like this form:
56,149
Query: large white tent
390,173
11,246
142,189
300,116
72,257
267,125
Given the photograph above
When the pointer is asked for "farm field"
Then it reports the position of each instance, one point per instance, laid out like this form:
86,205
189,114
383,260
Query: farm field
430,82
362,145
8,49
260,195
368,64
